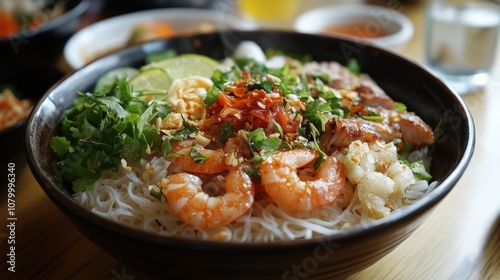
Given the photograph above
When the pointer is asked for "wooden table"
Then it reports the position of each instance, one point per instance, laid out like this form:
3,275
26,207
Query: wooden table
461,239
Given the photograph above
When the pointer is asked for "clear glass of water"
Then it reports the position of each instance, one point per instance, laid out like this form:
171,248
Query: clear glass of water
461,41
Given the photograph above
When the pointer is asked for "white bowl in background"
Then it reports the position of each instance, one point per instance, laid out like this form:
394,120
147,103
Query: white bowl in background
368,20
112,34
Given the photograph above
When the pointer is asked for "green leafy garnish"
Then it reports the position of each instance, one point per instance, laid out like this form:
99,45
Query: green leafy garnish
419,170
314,112
400,107
322,155
212,96
155,191
178,135
186,130
404,151
226,131
354,67
60,145
84,184
262,146
259,142
374,118
197,156
103,128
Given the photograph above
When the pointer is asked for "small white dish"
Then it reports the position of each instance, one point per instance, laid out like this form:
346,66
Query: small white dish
112,34
381,25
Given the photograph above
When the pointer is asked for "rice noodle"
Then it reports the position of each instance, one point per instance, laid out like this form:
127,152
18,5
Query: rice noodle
124,197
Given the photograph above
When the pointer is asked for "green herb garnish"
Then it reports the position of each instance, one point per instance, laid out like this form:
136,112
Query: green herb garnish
103,128
197,156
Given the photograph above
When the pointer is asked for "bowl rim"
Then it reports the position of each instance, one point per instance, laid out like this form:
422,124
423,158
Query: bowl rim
66,203
79,9
17,125
404,34
72,49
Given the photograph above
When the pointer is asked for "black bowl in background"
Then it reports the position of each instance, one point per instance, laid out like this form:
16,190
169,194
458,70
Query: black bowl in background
30,82
126,6
328,257
43,44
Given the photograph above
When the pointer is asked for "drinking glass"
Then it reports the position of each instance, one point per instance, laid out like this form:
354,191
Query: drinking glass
269,13
461,41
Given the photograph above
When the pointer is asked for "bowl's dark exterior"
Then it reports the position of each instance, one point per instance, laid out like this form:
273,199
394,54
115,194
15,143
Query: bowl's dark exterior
42,45
329,257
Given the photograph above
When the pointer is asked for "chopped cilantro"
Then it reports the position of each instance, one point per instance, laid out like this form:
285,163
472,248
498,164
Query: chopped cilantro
266,86
60,145
197,156
314,112
225,132
253,172
84,184
259,142
102,128
186,131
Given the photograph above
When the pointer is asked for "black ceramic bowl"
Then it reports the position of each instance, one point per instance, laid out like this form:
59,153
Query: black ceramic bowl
44,43
28,81
328,257
125,6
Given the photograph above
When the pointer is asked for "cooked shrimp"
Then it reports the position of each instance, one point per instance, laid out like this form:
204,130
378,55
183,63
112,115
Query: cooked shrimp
214,162
193,206
286,187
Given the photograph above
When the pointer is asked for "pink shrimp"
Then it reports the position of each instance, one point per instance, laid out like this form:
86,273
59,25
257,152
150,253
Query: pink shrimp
215,159
193,206
280,178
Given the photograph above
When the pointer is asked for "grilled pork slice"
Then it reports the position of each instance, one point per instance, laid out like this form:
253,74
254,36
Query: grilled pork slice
341,78
408,127
415,130
339,133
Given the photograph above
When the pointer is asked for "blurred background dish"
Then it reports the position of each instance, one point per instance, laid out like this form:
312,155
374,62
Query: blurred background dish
381,25
28,82
38,32
117,32
135,5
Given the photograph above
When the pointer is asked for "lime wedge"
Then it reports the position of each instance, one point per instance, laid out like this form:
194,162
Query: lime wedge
152,81
114,75
185,65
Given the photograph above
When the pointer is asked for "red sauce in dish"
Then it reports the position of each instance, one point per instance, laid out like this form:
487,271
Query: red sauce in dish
357,29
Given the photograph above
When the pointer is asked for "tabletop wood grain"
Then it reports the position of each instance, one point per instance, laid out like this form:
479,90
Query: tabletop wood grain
460,240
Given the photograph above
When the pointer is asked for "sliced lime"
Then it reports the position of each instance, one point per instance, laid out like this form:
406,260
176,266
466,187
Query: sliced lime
114,75
150,82
185,65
